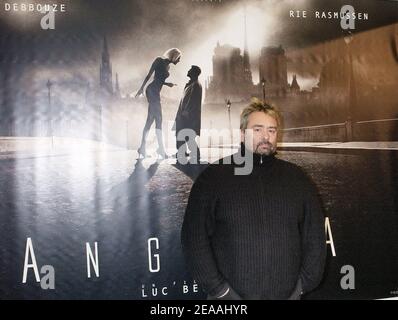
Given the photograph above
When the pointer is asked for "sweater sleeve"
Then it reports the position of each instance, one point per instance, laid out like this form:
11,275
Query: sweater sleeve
196,233
313,240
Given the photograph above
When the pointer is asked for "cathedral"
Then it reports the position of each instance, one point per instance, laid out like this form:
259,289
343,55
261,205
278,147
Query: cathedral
106,83
232,77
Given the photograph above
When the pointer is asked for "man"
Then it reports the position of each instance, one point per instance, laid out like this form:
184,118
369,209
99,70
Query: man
189,116
260,235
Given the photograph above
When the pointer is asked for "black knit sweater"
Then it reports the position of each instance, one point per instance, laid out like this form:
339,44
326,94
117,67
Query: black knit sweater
259,233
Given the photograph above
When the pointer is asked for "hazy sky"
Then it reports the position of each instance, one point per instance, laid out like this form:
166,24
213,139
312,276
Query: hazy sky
139,30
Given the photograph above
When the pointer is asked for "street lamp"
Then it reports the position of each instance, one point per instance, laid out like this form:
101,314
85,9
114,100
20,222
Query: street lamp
263,81
228,102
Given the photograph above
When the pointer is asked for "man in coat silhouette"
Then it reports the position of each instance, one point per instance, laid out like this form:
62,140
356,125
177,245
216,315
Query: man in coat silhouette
189,116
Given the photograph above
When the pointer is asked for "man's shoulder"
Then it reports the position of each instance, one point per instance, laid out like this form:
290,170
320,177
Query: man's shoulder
216,169
207,178
294,173
196,86
221,165
290,167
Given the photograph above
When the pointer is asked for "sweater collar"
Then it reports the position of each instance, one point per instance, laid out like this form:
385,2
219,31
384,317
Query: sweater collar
258,159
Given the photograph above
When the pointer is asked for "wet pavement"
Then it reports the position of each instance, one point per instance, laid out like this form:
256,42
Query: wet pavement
61,202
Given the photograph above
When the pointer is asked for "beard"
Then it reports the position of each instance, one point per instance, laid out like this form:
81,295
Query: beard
265,148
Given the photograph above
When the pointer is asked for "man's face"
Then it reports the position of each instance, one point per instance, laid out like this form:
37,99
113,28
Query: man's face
189,74
264,133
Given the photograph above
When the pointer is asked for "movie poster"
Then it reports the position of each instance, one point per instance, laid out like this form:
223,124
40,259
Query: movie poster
87,212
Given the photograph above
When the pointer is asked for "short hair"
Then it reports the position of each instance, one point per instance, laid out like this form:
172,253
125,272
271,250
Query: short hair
196,69
172,54
258,106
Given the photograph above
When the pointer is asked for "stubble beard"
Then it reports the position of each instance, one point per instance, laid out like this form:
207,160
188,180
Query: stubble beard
267,151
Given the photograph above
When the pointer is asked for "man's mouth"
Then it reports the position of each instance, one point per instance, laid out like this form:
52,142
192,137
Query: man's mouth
264,144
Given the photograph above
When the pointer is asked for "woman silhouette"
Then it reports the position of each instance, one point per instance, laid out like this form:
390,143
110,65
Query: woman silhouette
161,67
